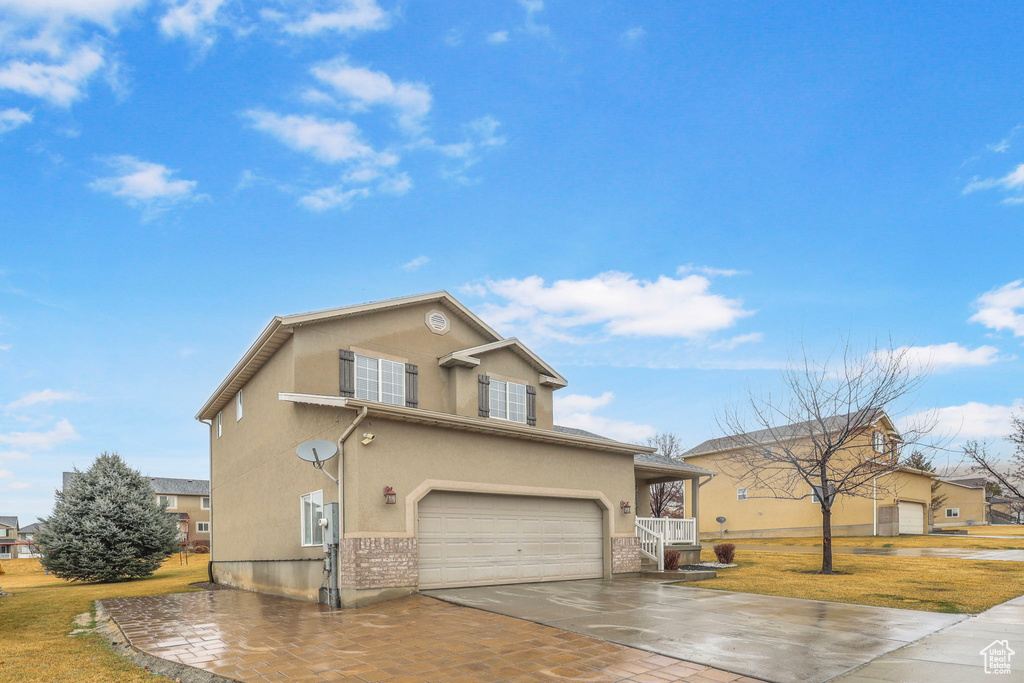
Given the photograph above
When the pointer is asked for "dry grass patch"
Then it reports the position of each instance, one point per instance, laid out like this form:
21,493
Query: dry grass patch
965,542
36,619
927,584
1009,530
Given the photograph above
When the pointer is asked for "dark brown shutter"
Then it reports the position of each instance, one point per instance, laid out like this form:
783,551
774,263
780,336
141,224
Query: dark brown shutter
411,386
347,372
531,406
484,395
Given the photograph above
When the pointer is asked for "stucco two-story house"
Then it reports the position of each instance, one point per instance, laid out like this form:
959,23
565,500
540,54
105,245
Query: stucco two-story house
188,500
450,470
897,503
27,540
964,502
8,538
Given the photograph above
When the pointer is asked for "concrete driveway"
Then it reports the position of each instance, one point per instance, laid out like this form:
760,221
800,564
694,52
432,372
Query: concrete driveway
766,637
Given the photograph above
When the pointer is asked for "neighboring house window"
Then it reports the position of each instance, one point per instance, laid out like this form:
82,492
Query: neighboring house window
816,496
312,510
220,424
172,501
952,512
3,533
508,401
378,379
204,502
741,494
878,442
203,527
238,406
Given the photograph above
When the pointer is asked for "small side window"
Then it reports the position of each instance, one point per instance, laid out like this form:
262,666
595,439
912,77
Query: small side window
741,494
878,442
238,406
311,507
220,424
204,503
203,527
952,512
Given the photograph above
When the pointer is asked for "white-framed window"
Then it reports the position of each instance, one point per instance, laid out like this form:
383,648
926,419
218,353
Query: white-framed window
238,406
741,494
379,379
203,527
312,508
4,534
878,442
220,424
204,503
816,495
508,401
172,501
952,512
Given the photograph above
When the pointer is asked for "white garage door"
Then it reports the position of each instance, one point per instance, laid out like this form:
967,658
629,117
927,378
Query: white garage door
475,539
911,518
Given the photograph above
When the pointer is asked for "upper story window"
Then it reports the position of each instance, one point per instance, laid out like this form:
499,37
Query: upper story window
204,502
172,501
3,533
741,494
220,424
816,495
878,442
508,400
238,406
379,379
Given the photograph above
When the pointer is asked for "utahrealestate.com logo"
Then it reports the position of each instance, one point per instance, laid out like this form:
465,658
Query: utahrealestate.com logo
997,657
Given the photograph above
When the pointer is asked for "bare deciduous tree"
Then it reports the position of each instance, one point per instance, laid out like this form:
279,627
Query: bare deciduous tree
810,444
667,497
1008,475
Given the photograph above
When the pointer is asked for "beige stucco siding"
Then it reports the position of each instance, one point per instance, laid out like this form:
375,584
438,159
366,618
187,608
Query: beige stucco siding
193,506
970,501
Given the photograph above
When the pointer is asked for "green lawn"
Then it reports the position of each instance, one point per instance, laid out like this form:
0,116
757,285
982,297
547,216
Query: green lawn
36,619
927,584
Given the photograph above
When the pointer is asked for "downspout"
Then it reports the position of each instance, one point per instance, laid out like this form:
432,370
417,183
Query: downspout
209,565
341,501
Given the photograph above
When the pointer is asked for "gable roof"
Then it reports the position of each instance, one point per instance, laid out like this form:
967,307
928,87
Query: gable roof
792,431
651,459
9,521
468,358
277,331
31,528
970,483
165,485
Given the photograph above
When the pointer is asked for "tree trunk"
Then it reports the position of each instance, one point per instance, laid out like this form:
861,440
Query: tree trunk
826,541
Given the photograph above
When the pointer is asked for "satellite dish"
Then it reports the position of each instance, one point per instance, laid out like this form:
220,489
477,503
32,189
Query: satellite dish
317,451
720,520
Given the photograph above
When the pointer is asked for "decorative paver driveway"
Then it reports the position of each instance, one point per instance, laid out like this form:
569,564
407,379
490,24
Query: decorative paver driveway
253,637
1005,555
773,638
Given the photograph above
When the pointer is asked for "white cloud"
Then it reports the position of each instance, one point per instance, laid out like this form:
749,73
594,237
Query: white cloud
453,37
41,441
971,420
45,397
531,25
7,485
633,35
707,270
102,12
397,184
497,38
620,303
60,83
738,340
13,118
144,183
192,20
1004,144
363,88
1012,182
333,197
479,137
416,263
576,410
5,347
350,17
1000,308
940,357
325,139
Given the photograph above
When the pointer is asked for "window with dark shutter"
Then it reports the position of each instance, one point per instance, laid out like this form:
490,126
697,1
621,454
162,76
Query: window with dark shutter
347,372
531,406
484,395
411,386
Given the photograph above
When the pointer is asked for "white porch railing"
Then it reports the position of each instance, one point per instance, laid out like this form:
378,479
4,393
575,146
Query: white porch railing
5,556
652,545
673,531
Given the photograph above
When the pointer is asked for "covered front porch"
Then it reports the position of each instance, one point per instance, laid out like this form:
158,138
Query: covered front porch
677,526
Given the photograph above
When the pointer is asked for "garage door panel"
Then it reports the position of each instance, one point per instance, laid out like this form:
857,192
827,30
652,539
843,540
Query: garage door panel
477,539
911,517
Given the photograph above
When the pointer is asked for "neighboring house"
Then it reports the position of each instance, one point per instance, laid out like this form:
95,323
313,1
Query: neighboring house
26,540
964,505
187,499
8,538
1005,510
454,475
899,504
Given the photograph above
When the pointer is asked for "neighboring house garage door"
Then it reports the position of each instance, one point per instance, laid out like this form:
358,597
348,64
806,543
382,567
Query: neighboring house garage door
911,518
476,539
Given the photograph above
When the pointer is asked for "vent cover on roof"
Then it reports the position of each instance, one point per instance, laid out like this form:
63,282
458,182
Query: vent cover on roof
438,322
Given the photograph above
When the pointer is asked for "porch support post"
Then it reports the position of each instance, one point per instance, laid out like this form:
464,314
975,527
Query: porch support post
695,507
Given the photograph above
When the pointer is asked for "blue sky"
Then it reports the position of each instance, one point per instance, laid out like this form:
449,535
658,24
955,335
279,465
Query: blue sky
663,200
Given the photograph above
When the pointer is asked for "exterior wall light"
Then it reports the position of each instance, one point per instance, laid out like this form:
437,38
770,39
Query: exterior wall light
626,507
368,437
389,495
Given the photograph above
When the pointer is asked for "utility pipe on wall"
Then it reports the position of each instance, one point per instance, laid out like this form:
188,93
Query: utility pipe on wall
341,501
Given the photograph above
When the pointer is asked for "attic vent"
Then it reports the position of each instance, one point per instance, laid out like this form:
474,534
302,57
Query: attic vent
438,322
